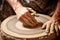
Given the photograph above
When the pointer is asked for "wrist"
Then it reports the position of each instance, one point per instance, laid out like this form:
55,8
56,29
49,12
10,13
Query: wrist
20,11
56,17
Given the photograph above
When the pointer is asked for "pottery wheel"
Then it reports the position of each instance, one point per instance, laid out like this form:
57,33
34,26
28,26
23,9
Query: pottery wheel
13,27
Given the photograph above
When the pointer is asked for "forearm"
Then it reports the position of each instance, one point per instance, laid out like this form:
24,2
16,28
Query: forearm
14,4
56,15
17,7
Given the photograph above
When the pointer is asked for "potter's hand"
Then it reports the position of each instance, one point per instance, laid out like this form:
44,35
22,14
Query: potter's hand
52,27
22,13
26,18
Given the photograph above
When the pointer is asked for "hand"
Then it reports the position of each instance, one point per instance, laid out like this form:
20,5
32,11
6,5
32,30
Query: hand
28,19
52,27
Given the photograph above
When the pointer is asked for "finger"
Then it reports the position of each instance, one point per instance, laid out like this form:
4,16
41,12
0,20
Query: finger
21,19
48,27
44,26
29,19
52,28
56,29
33,18
25,21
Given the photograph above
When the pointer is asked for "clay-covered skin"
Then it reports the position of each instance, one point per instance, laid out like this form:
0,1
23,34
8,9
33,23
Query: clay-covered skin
38,25
29,20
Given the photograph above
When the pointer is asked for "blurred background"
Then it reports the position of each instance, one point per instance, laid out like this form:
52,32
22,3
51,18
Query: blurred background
5,10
